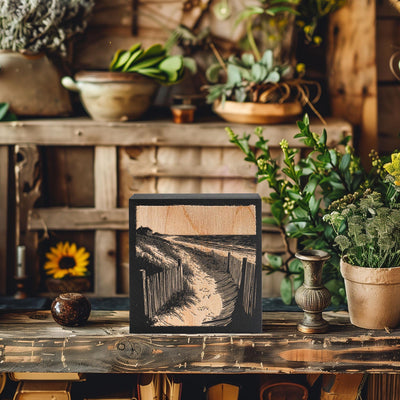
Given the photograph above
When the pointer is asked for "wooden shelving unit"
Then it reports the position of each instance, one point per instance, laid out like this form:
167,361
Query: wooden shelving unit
121,159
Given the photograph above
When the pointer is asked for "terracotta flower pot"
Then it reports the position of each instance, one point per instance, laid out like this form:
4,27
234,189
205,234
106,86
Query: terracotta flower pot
372,295
257,113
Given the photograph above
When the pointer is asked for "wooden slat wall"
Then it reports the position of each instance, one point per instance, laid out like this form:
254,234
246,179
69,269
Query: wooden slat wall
3,218
388,42
352,72
91,169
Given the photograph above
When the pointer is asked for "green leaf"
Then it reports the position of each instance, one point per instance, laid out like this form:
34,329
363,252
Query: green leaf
311,185
130,61
322,139
156,50
298,281
144,63
314,205
258,72
135,47
269,221
248,59
273,77
295,266
275,10
275,261
344,163
268,59
120,58
3,110
171,63
286,290
234,76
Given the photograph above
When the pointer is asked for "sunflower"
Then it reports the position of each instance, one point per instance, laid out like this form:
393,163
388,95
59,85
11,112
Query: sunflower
65,261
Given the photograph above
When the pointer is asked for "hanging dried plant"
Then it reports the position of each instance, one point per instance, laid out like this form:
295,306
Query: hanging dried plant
41,25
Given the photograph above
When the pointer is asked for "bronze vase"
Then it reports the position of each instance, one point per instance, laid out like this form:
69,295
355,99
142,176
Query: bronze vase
313,297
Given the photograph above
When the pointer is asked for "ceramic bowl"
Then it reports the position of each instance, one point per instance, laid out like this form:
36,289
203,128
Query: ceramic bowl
113,96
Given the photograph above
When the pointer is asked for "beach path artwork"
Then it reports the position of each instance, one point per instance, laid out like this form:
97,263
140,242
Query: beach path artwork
195,266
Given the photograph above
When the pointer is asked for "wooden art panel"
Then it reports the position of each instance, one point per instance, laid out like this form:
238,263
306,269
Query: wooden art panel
195,263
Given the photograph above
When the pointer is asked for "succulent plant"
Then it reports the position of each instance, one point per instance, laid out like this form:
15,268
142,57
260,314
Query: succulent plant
153,62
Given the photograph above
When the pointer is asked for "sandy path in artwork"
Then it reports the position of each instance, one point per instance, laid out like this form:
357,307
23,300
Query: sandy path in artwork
208,302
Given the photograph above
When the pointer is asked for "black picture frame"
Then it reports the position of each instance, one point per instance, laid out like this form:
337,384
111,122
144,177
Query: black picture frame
195,263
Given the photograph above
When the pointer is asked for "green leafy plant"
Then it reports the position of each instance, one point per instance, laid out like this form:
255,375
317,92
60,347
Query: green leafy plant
270,19
263,81
153,62
41,25
367,224
301,191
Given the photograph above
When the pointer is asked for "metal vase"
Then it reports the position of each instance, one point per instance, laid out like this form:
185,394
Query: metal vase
312,297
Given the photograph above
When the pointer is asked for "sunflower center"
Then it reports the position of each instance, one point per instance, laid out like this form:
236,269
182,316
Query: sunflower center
67,263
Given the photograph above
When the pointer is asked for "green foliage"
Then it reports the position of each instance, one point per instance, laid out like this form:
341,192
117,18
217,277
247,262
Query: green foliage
301,191
153,62
5,114
367,228
246,78
270,18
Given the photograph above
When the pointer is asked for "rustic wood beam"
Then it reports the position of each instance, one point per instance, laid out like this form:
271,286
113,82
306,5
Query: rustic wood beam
33,342
85,132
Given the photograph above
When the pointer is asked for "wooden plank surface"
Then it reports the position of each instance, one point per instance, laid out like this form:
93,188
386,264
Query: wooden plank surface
105,189
4,161
32,341
85,132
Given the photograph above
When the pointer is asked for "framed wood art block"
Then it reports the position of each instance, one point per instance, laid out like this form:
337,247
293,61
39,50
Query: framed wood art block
195,263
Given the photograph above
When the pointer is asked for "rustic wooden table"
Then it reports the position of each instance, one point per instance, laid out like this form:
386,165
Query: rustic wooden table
32,341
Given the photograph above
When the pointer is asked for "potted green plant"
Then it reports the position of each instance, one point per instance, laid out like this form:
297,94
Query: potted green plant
258,92
33,46
126,90
329,201
367,229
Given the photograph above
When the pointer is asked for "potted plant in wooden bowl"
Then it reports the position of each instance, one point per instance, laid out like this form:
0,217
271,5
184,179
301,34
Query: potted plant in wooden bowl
367,228
33,46
259,92
126,90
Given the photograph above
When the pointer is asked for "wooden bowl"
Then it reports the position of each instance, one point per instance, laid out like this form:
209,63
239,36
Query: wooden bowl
258,113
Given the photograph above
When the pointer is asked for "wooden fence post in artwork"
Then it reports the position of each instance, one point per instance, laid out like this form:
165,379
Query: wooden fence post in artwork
145,303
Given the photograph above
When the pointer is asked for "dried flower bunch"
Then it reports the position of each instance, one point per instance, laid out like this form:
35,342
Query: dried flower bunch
41,25
367,224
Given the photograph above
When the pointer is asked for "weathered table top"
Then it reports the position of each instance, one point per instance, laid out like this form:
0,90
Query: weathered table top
33,342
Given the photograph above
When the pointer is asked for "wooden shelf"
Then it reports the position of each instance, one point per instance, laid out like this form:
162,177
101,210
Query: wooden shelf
86,132
32,341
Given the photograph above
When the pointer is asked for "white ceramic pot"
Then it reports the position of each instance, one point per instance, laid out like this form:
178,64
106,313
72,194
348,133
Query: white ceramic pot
31,84
372,295
113,96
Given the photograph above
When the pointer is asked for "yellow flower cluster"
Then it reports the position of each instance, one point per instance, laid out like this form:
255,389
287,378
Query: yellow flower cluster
393,168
